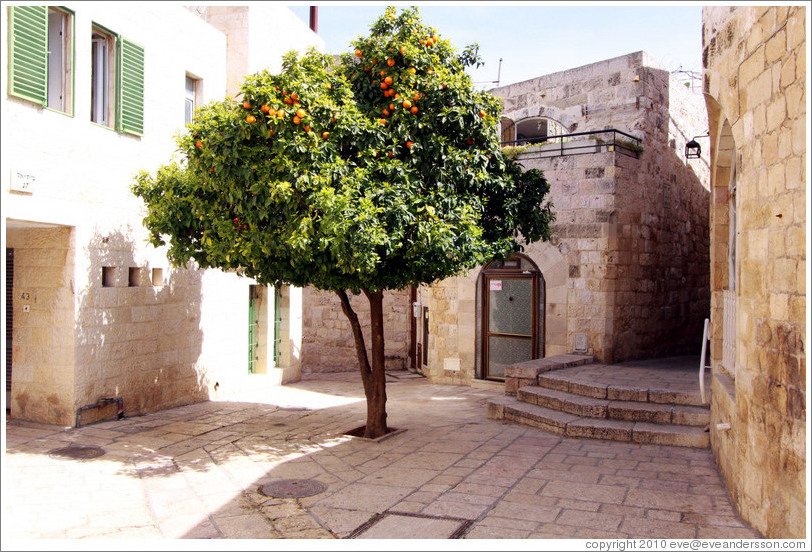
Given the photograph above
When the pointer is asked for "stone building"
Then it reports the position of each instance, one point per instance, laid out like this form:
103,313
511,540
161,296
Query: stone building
754,80
92,312
626,273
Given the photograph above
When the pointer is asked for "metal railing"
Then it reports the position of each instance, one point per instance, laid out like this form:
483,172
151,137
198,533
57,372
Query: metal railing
578,143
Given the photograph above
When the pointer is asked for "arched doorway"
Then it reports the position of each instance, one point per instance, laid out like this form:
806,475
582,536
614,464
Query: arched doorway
511,315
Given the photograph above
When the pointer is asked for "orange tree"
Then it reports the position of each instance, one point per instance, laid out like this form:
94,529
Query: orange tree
374,171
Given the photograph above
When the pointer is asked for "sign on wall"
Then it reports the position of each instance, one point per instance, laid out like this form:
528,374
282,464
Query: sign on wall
23,181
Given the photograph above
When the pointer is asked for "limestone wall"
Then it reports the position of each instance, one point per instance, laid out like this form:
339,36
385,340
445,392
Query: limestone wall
43,329
634,231
101,326
327,342
754,79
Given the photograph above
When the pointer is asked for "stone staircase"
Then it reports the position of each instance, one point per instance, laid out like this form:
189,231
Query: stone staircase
572,395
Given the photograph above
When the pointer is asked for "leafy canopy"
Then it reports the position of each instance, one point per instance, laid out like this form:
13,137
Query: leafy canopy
375,170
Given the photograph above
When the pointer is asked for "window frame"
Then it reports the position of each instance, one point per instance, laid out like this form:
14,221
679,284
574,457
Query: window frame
109,76
192,97
69,60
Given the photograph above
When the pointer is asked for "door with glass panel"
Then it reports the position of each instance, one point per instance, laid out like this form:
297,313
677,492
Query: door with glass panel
510,316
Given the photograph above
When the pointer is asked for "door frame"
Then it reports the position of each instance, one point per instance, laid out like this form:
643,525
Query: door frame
537,296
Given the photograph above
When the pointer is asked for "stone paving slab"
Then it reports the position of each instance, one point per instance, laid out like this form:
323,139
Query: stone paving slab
195,472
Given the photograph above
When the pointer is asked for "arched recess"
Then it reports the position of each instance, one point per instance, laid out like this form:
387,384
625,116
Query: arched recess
537,129
724,263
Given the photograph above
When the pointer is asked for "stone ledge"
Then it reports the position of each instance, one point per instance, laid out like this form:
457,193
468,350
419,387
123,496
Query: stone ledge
526,373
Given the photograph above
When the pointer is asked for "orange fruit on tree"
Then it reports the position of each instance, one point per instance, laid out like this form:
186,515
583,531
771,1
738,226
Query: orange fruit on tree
271,112
414,110
407,104
388,80
246,104
409,144
386,112
482,113
390,155
199,144
324,135
359,53
294,97
383,72
300,113
402,50
265,108
391,107
384,86
307,128
429,41
412,70
296,120
422,42
250,119
280,114
390,62
328,86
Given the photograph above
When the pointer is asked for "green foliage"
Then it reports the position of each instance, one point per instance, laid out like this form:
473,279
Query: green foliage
324,178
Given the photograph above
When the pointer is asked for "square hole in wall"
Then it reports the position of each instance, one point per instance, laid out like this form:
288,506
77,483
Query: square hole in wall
108,276
134,278
157,276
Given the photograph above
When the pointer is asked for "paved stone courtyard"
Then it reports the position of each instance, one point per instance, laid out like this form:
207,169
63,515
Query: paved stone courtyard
197,471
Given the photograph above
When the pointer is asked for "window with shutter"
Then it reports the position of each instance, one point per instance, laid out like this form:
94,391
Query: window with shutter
102,77
28,53
131,87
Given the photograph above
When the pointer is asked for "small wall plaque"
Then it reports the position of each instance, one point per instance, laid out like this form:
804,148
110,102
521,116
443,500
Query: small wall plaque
23,181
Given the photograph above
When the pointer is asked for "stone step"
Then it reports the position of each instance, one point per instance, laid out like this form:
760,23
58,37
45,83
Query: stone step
571,425
618,410
562,381
563,401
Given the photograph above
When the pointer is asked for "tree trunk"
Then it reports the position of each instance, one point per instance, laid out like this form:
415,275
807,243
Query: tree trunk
373,375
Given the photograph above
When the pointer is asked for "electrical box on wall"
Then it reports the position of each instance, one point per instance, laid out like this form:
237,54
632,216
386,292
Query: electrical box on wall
580,343
451,364
416,309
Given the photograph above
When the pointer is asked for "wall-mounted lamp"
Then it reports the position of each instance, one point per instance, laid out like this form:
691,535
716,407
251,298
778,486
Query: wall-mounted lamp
692,149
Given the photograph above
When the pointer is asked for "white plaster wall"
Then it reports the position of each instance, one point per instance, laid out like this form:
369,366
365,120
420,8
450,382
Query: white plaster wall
84,172
274,30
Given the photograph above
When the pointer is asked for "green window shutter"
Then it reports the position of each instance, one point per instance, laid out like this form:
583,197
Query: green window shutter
131,87
28,53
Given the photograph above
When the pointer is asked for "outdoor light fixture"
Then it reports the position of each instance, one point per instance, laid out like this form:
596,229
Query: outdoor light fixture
692,149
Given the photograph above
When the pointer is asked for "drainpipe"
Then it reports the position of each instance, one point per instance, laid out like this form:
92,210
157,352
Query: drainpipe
314,19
